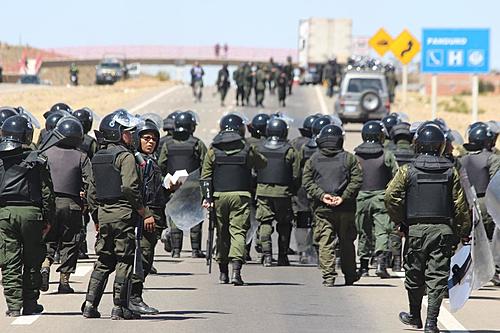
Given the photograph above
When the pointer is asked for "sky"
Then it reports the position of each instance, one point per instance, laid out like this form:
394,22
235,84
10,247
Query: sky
258,23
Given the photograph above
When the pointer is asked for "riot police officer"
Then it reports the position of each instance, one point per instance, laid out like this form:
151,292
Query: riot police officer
147,137
305,132
372,222
257,128
50,123
239,80
276,184
223,83
183,151
389,121
426,195
401,137
332,178
27,207
115,192
228,164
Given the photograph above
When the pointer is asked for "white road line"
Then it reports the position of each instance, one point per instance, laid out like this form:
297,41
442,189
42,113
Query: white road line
154,98
82,270
25,320
321,100
447,320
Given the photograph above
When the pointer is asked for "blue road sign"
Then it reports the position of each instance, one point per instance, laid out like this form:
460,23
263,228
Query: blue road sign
455,50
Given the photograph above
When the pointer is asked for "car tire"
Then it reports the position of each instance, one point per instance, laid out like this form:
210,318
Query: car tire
370,101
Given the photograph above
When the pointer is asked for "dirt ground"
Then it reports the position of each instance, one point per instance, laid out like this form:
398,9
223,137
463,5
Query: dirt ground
419,108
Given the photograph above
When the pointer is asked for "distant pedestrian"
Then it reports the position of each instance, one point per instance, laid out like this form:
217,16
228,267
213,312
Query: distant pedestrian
217,50
225,49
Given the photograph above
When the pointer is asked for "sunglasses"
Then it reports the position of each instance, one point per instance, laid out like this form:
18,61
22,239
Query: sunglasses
149,138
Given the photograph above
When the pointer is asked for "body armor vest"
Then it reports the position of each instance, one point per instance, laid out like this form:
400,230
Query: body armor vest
277,171
376,175
86,144
330,172
231,172
154,190
108,180
429,196
307,152
182,155
477,169
404,156
65,170
299,142
20,182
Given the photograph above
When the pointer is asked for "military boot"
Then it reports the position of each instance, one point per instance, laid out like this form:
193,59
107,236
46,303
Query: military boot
176,239
396,264
45,272
236,278
197,254
31,307
123,313
224,274
283,260
167,244
64,287
267,260
382,266
121,302
248,247
409,319
363,268
431,326
137,304
89,310
413,318
13,313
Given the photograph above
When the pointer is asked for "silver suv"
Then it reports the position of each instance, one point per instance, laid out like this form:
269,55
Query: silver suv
363,96
108,71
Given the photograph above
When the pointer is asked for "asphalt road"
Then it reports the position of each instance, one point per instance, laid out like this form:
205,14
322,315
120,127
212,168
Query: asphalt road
276,299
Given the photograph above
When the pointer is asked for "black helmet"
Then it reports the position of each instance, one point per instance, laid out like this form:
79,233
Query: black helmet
401,131
6,112
184,122
86,118
319,123
72,130
16,131
61,107
168,122
53,118
114,124
277,127
373,131
306,129
480,137
257,127
233,122
331,136
147,126
390,120
429,139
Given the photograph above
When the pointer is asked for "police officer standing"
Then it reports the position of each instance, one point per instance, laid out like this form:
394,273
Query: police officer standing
228,164
115,191
332,178
372,221
70,171
27,207
239,80
183,151
288,69
260,86
282,84
330,76
249,78
223,83
276,184
148,136
426,195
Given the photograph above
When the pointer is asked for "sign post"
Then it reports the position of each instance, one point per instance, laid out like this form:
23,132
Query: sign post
434,96
457,51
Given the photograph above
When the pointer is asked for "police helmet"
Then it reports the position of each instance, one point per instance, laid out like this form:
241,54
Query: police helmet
185,122
373,131
168,122
61,107
72,129
6,112
114,124
390,120
277,127
306,129
147,126
232,122
319,123
429,139
16,131
257,127
86,118
480,137
53,118
400,132
331,136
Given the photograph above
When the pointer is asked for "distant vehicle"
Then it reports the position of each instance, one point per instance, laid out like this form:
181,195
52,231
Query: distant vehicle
29,79
363,96
311,75
109,71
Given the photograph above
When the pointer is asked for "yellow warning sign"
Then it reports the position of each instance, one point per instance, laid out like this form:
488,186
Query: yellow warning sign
405,47
381,42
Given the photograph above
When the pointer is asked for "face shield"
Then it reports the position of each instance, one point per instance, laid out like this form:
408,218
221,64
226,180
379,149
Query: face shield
126,119
28,115
154,117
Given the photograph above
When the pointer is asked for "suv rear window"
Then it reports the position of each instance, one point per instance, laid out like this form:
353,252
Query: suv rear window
360,85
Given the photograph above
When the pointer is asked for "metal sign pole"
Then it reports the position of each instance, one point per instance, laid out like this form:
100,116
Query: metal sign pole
405,85
434,96
475,96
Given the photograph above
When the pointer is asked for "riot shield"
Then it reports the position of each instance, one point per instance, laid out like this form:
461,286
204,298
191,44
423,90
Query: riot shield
254,225
461,276
493,199
184,208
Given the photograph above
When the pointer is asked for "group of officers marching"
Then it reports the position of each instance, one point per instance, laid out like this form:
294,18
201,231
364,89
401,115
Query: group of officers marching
402,181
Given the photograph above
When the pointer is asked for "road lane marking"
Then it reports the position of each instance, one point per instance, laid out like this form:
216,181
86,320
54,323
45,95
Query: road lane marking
26,320
82,270
321,100
447,319
154,98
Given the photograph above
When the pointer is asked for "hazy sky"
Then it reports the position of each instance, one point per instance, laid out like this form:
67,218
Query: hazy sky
264,23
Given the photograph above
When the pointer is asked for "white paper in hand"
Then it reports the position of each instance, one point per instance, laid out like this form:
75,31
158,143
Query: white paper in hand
179,176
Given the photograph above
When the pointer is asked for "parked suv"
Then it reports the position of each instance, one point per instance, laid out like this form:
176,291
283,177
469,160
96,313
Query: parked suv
108,71
363,96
